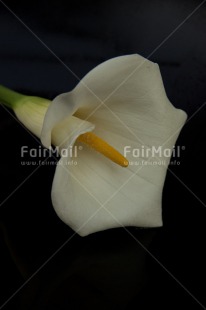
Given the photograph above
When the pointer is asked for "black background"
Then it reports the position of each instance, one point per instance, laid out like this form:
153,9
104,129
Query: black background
111,269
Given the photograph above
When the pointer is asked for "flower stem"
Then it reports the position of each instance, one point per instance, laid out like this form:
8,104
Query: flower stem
9,97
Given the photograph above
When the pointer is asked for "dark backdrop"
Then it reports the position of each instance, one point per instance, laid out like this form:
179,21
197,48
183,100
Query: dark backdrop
111,269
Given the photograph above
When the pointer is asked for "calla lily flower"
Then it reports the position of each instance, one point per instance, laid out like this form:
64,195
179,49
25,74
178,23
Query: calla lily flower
117,108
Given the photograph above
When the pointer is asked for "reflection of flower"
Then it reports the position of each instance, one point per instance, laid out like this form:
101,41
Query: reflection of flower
135,111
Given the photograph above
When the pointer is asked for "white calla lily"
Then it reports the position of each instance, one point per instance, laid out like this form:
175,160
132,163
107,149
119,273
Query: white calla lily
123,102
135,112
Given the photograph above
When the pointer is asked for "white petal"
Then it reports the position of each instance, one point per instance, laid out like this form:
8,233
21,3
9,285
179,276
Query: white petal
141,75
61,107
77,189
144,116
66,132
132,82
133,199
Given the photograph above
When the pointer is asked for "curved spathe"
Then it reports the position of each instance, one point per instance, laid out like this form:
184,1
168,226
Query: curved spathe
124,102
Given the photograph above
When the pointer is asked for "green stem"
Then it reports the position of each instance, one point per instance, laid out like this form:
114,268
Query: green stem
9,97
